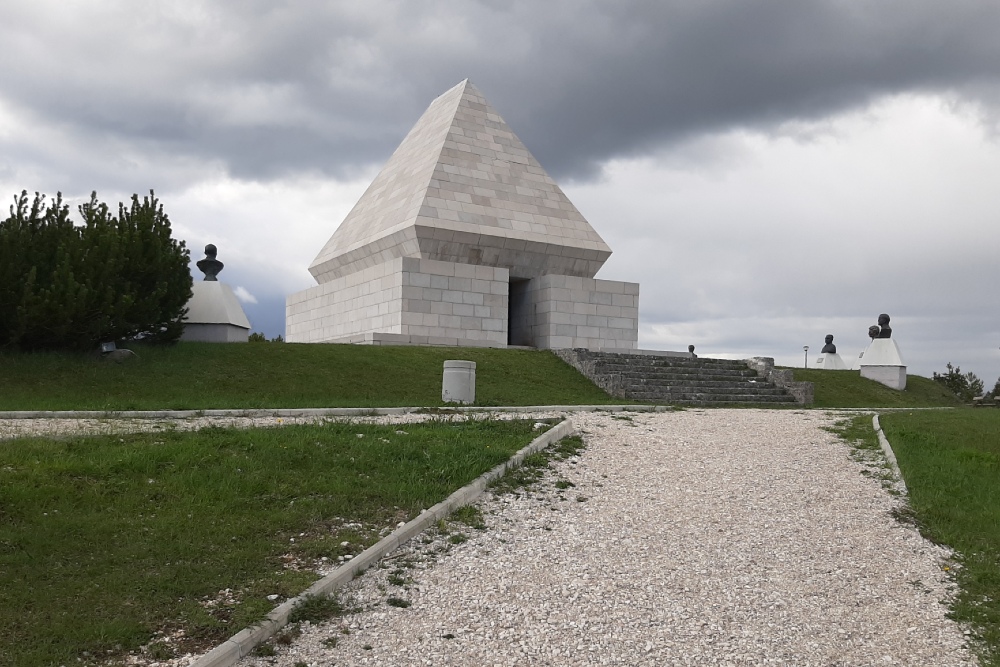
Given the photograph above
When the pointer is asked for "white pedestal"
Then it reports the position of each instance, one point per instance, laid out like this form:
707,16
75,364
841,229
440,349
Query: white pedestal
215,315
893,377
830,361
882,362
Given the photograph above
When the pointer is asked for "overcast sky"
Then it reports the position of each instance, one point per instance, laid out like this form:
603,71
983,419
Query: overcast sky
769,172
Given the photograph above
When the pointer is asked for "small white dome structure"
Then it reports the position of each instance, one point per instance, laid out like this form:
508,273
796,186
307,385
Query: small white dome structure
214,313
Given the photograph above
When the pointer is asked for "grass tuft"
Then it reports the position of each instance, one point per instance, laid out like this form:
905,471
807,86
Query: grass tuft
470,515
317,608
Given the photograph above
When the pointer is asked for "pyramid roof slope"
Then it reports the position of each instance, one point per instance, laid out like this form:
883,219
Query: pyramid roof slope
461,187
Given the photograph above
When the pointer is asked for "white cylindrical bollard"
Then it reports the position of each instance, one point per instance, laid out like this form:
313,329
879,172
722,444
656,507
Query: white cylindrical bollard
459,382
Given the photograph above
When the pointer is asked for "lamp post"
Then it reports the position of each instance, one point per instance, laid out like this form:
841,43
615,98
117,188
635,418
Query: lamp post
805,351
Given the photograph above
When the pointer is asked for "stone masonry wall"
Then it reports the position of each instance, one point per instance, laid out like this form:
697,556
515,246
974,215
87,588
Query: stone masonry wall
785,378
429,301
445,300
571,312
368,300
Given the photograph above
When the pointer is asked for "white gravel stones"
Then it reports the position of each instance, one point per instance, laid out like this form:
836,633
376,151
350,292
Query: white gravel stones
729,537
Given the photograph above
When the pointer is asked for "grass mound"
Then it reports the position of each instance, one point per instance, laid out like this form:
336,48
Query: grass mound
197,376
847,389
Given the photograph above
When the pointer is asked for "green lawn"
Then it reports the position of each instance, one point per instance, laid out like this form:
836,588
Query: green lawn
847,389
196,376
284,375
105,539
951,463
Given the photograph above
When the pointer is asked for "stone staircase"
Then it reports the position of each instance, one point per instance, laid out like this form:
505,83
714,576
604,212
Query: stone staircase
677,380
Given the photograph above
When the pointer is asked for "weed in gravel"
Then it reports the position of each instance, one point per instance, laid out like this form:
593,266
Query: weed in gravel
567,447
534,465
161,651
264,651
317,608
458,538
905,515
397,602
524,475
866,450
470,515
289,634
564,484
330,642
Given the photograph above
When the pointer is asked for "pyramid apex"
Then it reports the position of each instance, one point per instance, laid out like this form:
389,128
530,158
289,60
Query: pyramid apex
462,188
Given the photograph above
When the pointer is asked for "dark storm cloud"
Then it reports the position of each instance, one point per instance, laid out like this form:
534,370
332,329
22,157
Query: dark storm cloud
266,89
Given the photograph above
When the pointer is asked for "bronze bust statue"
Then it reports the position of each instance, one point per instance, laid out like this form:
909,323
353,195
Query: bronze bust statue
210,266
882,329
829,347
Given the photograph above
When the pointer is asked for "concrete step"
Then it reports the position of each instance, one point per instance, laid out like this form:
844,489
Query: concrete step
678,380
692,382
715,403
664,362
667,389
679,398
660,371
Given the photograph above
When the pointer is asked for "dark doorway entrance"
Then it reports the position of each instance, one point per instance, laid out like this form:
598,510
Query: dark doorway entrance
519,313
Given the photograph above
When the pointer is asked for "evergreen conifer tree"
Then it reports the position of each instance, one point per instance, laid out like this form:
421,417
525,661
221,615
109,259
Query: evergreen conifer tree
114,278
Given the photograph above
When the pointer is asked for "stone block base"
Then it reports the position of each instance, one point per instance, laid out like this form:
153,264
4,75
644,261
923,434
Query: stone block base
409,301
893,377
377,338
415,298
215,333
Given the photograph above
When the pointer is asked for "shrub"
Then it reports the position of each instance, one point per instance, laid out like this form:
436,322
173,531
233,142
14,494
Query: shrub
259,337
966,386
114,278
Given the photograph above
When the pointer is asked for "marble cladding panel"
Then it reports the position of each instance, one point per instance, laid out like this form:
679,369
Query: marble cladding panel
368,300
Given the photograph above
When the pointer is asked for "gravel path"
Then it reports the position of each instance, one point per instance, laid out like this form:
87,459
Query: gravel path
720,537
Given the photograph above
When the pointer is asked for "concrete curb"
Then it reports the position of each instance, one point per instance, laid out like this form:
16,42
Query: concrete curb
889,454
239,645
316,412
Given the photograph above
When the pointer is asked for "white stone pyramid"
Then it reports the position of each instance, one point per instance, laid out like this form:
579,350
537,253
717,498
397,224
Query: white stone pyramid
462,188
463,239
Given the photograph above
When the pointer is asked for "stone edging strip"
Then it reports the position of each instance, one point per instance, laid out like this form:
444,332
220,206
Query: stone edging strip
315,412
889,455
239,645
